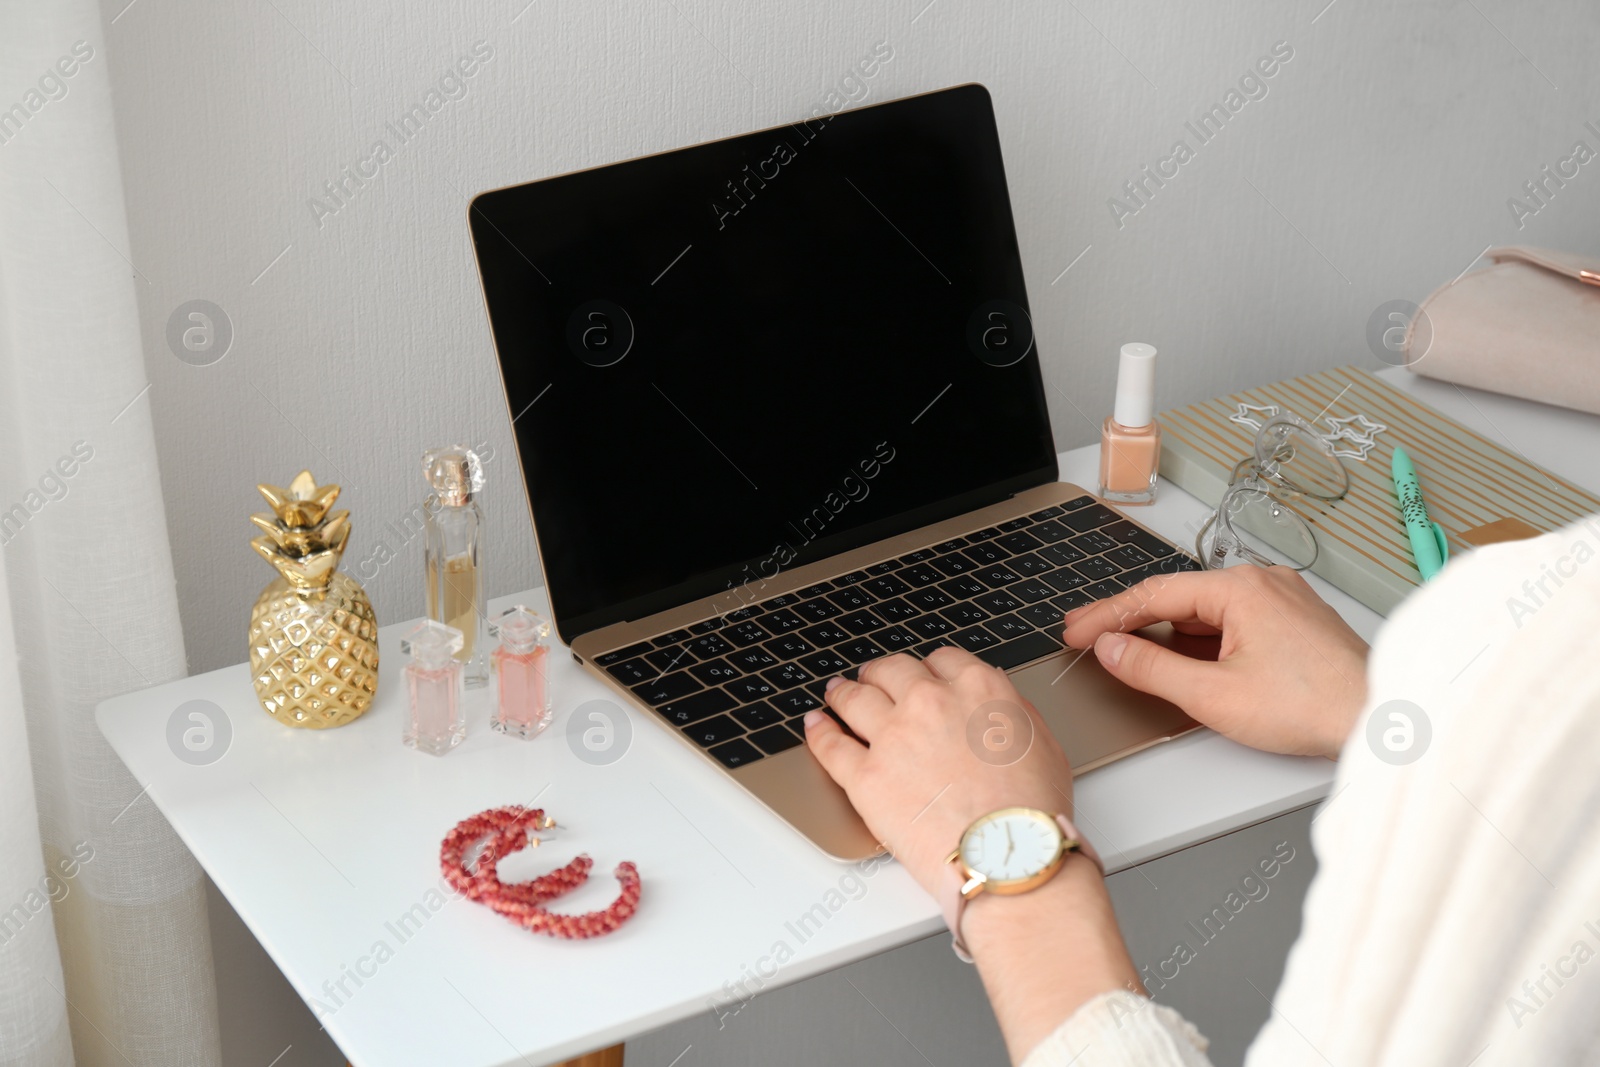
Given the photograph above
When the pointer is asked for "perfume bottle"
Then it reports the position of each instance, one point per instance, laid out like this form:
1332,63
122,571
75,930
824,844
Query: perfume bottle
437,722
1130,440
453,561
521,693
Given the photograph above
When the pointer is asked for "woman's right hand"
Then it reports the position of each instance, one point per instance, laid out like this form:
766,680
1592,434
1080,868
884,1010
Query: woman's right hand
1290,676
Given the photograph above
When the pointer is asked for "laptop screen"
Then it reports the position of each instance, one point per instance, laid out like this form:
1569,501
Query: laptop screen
732,359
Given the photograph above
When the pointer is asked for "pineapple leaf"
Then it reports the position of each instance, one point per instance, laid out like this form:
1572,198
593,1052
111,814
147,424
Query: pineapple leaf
303,503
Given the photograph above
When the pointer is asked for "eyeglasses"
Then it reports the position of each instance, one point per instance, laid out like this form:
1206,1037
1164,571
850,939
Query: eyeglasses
1254,522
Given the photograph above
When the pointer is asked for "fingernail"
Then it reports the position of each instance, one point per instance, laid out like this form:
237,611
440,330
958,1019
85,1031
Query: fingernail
835,680
812,718
1109,648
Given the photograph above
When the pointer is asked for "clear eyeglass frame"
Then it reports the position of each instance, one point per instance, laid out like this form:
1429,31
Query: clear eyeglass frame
1264,484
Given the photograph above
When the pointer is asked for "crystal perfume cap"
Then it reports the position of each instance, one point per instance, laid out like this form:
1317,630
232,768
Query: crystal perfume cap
455,473
431,643
519,629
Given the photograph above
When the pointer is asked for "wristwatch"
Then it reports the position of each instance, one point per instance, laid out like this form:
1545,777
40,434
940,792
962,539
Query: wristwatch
1006,852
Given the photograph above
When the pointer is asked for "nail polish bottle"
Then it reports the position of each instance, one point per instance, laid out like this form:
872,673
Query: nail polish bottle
437,722
1130,440
453,560
522,705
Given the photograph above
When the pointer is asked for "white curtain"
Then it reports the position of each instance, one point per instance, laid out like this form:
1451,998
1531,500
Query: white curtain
104,949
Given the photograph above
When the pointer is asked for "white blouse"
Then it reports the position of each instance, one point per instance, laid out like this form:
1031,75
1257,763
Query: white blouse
1456,909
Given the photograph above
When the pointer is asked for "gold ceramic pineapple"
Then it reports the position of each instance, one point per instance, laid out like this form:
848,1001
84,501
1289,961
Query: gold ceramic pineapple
313,636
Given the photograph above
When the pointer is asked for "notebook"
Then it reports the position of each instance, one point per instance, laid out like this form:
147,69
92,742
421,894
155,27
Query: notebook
1476,489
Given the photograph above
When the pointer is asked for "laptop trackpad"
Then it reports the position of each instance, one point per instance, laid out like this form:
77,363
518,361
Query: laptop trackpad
1097,718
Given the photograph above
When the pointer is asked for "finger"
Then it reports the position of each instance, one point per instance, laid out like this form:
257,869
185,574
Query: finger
861,707
893,674
958,666
840,754
1188,597
1150,668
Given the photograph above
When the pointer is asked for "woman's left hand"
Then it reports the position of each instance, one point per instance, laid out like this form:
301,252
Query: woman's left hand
947,739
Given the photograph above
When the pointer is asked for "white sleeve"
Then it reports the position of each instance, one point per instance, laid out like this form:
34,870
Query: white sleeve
1121,1029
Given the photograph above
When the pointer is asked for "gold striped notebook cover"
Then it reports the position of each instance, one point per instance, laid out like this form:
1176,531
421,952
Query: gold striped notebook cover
1468,481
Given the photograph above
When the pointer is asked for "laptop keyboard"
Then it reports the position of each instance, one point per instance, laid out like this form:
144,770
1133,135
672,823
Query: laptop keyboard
739,684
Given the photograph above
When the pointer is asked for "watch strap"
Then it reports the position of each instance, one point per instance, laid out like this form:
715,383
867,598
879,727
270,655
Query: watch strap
953,902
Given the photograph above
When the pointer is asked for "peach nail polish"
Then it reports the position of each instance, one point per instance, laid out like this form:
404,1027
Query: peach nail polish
1130,440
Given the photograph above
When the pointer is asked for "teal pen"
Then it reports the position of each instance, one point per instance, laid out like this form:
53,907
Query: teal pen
1428,544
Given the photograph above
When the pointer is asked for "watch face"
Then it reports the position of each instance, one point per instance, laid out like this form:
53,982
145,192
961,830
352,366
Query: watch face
1011,845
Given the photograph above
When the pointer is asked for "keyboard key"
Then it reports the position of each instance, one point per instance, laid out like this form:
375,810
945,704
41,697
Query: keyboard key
789,647
746,633
676,637
1029,565
813,590
1096,568
1022,650
929,599
736,753
896,610
975,639
667,687
953,563
1075,599
752,659
1064,580
818,610
824,635
930,626
983,535
963,587
700,706
824,663
996,576
710,646
1030,591
950,545
1173,564
798,727
1090,517
887,586
752,688
965,614
986,553
853,578
1128,556
896,639
782,621
920,574
1044,616
859,650
1047,513
783,600
861,622
1061,554
633,671
1109,587
795,702
706,626
1015,524
669,659
715,672
788,676
1018,542
1050,532
606,659
756,716
740,614
921,555
851,599
882,568
926,647
1077,502
999,602
1094,542
775,739
1129,534
1007,627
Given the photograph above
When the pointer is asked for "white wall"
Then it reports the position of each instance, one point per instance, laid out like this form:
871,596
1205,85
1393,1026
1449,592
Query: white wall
1381,161
1378,166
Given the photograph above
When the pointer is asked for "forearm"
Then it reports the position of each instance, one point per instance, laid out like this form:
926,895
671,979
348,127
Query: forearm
1043,954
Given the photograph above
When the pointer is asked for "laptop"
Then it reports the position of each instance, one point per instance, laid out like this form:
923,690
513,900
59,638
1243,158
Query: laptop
778,405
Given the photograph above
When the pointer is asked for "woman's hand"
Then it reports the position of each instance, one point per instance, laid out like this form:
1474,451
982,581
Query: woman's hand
1290,677
950,739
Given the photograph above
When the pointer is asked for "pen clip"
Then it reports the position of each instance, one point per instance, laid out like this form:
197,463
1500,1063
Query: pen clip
1442,542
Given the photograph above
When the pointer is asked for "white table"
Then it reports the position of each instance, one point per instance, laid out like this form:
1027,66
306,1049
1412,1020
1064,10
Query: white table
325,841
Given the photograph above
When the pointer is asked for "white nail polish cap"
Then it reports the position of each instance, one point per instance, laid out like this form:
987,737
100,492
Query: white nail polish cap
1136,386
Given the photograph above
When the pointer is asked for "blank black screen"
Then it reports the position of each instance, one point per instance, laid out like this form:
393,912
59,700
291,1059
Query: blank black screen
733,358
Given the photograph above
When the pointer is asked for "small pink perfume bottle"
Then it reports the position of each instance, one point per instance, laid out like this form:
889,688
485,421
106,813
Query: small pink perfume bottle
522,696
434,681
1130,440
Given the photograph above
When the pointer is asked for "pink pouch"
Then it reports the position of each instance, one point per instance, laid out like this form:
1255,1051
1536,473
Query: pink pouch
1528,325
